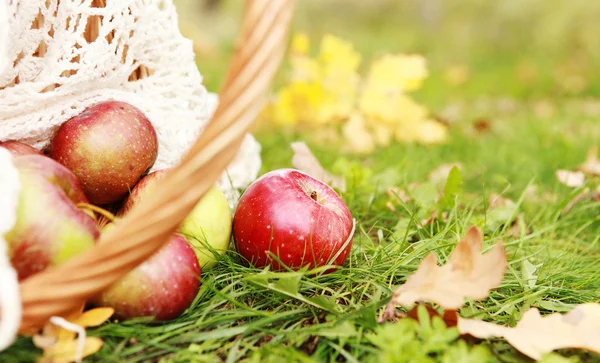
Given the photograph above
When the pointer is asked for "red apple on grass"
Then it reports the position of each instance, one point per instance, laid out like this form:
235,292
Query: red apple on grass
17,148
108,147
50,228
163,286
207,227
298,218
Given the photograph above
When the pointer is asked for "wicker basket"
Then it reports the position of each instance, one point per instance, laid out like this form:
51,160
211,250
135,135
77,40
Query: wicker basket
259,49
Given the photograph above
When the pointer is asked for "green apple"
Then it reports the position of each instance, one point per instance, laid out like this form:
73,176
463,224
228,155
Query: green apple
208,226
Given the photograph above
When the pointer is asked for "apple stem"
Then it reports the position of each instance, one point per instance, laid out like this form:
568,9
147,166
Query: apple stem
313,195
104,212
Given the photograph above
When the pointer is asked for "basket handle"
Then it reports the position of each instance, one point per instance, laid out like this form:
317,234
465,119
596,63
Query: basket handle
259,50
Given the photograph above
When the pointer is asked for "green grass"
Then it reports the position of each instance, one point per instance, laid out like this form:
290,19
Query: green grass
245,314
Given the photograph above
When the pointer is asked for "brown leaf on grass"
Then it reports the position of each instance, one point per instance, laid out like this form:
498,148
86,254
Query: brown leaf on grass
498,201
440,174
535,335
434,216
450,317
304,160
591,165
466,274
482,125
572,179
586,195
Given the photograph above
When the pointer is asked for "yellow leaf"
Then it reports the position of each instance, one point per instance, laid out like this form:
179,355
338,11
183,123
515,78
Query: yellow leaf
358,138
467,274
60,344
397,73
431,132
94,317
304,160
297,102
338,56
66,351
304,69
300,44
382,134
535,335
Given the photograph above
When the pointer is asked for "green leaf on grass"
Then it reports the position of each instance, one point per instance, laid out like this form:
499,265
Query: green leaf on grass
426,194
324,302
452,188
528,274
289,284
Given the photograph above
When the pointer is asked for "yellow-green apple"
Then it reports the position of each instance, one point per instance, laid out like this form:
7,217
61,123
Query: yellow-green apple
50,228
163,286
108,147
208,226
17,148
297,218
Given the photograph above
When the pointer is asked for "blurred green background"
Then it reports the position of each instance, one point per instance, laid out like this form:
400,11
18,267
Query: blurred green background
525,49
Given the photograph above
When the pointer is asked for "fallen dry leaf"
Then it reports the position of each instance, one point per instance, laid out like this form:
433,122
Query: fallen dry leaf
61,345
450,317
467,274
434,216
65,351
498,201
482,125
440,174
535,335
570,178
591,165
305,161
586,195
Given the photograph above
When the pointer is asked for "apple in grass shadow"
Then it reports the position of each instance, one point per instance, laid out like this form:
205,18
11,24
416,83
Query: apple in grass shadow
18,148
50,228
208,226
295,217
108,147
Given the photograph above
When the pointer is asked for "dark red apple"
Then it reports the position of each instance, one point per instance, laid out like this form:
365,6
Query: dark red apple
162,287
109,147
18,148
298,218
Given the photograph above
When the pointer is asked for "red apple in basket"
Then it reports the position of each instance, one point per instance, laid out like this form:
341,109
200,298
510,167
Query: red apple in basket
50,228
18,148
108,147
207,227
163,286
298,218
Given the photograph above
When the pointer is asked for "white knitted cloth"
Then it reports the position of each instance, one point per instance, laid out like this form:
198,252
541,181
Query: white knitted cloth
74,74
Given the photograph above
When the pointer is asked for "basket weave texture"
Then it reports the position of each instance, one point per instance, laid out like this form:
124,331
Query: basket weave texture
257,55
